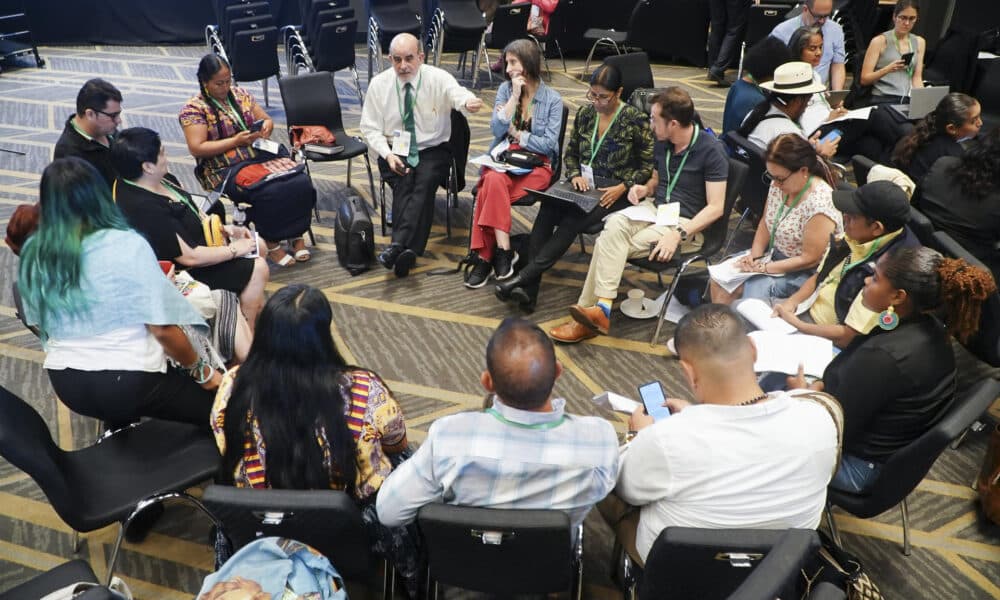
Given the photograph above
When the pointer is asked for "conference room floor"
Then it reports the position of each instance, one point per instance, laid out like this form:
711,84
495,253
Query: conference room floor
424,334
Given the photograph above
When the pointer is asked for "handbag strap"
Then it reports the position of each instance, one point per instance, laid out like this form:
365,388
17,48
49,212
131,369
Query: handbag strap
833,408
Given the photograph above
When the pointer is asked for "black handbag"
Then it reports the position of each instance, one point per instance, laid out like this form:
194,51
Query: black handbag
354,236
523,158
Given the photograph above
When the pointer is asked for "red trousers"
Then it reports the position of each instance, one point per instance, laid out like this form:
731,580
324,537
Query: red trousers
497,191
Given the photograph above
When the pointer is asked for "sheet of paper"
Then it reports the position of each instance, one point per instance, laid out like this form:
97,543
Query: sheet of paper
499,149
783,353
638,212
675,310
861,113
728,275
808,302
613,401
759,313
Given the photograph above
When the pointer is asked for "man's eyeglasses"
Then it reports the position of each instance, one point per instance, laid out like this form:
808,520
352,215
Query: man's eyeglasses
819,17
111,116
602,98
767,178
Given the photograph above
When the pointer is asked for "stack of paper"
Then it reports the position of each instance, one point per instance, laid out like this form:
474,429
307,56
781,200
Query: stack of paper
728,274
784,353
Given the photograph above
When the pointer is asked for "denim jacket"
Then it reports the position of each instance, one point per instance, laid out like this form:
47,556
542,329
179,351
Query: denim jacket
546,116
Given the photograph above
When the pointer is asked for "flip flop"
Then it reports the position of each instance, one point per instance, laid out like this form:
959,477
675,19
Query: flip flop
285,260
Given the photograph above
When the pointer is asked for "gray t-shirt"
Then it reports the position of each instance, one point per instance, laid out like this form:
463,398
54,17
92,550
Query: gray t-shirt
707,162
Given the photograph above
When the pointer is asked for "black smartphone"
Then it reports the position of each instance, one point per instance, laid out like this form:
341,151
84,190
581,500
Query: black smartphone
653,399
256,126
906,58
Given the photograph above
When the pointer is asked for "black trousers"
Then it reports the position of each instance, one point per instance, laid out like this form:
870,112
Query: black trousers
729,23
413,196
121,397
556,227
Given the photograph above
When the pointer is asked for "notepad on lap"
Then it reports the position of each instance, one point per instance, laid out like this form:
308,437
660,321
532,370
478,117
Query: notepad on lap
728,275
784,353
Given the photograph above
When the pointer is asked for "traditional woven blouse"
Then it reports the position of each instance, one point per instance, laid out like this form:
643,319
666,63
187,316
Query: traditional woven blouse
221,125
626,153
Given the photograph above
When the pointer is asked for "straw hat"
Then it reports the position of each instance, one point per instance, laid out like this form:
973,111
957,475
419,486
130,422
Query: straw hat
794,78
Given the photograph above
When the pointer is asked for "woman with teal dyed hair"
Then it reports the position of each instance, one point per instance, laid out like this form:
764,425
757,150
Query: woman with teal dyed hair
109,318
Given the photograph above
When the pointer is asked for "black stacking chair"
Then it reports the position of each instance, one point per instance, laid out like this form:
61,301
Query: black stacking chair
74,571
920,225
620,41
457,26
714,239
901,474
635,70
687,562
253,57
387,19
327,520
311,99
510,22
556,20
503,552
753,196
780,569
862,165
116,478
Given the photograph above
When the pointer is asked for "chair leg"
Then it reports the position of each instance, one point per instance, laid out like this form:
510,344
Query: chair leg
586,67
382,202
266,102
77,542
349,171
357,85
906,527
583,246
832,524
371,181
739,223
576,590
561,57
663,309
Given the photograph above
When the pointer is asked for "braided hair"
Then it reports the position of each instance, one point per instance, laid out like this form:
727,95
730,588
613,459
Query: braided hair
953,110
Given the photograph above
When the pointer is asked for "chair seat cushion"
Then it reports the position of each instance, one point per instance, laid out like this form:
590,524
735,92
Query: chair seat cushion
75,571
352,148
654,265
395,19
592,35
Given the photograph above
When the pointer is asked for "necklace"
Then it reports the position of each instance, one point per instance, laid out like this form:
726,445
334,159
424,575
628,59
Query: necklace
754,400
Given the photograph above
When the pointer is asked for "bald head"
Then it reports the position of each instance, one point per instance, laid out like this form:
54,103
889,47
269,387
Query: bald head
712,338
522,364
406,56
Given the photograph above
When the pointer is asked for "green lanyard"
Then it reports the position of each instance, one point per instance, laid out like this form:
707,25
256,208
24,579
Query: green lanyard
233,112
781,212
593,135
672,183
178,196
399,97
88,137
910,67
539,426
850,265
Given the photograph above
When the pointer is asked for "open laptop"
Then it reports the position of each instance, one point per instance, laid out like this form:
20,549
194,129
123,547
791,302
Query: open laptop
922,102
564,192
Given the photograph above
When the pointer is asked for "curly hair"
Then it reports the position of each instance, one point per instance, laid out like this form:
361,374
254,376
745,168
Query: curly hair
950,286
978,171
954,109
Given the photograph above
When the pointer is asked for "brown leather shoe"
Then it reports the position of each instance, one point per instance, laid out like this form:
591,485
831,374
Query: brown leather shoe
571,333
591,317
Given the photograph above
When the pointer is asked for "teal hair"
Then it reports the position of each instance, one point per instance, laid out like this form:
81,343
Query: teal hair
75,201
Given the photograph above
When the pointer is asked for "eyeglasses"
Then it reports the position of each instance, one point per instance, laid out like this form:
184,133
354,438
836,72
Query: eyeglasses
906,19
602,98
767,178
819,17
111,116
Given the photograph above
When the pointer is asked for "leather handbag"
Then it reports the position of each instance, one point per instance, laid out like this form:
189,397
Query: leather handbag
833,564
988,483
311,134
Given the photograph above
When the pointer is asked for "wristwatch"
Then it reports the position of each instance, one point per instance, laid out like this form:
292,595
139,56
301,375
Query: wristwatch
683,233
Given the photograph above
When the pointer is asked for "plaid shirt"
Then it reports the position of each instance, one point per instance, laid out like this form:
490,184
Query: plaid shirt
506,458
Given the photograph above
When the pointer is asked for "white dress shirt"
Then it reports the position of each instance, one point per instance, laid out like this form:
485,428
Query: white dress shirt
436,94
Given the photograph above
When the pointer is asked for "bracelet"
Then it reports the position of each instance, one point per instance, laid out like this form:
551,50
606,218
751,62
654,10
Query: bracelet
197,369
204,375
232,249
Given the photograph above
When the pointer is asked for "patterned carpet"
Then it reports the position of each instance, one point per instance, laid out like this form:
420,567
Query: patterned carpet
424,334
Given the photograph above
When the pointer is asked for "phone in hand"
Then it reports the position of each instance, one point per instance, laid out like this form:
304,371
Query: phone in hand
906,58
257,126
834,135
653,399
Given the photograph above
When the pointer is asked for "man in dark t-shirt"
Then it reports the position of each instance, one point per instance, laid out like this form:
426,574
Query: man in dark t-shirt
88,133
689,191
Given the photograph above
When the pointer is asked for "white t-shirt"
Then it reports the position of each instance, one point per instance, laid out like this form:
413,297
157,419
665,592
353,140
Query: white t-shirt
762,466
127,349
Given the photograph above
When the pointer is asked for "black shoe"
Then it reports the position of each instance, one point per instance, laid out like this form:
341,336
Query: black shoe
388,257
504,288
479,275
503,263
718,78
404,262
525,300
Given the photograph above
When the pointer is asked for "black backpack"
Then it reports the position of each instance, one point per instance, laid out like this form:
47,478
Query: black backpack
354,236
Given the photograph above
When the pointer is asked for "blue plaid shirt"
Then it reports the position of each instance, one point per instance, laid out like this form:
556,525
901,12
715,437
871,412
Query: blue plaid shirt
506,458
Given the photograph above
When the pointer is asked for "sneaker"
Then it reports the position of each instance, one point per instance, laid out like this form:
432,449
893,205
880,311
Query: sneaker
503,263
479,274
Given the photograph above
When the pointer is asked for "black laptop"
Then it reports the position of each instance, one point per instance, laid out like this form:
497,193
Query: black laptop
565,192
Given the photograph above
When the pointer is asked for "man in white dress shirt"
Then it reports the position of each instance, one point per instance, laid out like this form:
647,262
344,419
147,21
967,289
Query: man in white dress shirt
406,120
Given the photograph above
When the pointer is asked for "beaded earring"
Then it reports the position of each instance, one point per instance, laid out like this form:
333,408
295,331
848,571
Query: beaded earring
888,319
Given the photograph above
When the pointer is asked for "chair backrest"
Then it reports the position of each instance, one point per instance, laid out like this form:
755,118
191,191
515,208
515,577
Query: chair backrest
510,22
498,551
602,15
754,193
557,164
333,47
253,54
242,11
908,466
715,235
686,562
459,141
780,569
635,70
311,99
921,226
25,442
244,24
862,165
327,15
327,520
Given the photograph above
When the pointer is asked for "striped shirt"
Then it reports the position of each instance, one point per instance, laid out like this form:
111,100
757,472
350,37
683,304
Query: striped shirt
506,458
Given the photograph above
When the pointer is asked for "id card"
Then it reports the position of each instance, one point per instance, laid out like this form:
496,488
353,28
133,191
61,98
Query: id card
587,172
668,215
400,143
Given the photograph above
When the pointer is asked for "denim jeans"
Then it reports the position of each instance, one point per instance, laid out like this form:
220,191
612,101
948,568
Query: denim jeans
855,474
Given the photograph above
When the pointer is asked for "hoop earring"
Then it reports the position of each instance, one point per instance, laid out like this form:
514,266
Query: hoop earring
888,319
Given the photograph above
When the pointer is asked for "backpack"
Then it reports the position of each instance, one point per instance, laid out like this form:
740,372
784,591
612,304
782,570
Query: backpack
354,236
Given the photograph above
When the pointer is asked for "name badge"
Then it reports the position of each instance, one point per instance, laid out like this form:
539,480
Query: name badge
400,143
588,173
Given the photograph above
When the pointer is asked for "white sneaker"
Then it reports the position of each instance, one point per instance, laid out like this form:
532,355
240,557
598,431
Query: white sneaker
670,347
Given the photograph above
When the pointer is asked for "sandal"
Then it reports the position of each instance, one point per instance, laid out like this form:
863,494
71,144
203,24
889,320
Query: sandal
285,260
301,254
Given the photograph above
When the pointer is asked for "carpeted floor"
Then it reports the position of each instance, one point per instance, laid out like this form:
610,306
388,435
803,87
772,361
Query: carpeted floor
424,334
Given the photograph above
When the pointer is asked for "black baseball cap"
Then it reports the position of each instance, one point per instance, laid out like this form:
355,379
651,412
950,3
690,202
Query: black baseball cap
882,201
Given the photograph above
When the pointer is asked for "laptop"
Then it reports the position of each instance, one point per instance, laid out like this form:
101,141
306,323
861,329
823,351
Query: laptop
922,102
565,192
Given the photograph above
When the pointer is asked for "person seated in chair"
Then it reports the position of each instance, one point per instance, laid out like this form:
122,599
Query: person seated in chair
690,180
737,457
891,77
610,139
817,13
527,116
956,119
522,452
875,217
894,382
88,133
758,67
410,108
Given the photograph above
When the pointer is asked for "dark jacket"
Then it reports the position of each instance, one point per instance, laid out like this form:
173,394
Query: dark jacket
71,143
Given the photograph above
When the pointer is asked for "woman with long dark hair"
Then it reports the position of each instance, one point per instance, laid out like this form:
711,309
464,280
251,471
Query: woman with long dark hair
894,382
894,62
108,317
297,416
956,118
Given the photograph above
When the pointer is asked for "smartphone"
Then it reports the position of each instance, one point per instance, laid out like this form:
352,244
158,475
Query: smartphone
256,126
652,399
835,134
906,58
